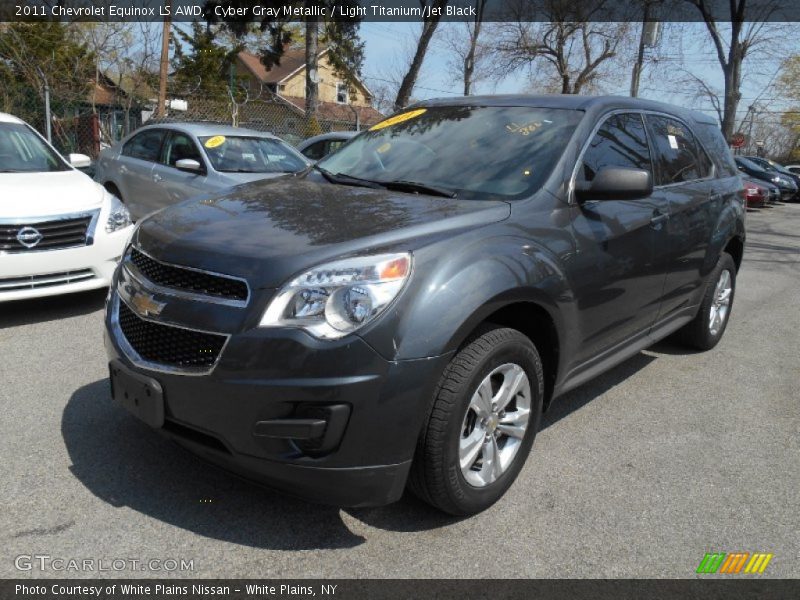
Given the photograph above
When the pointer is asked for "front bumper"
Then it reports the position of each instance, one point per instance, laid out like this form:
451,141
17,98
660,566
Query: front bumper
37,274
270,375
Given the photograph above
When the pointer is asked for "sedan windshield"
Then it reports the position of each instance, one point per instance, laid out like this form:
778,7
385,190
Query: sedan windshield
23,151
469,152
239,154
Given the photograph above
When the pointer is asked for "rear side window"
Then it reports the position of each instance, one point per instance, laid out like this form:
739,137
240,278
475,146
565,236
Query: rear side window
679,158
145,145
620,142
715,142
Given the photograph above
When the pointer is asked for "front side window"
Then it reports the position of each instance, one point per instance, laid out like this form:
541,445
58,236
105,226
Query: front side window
23,151
244,154
178,147
621,141
678,155
145,145
474,152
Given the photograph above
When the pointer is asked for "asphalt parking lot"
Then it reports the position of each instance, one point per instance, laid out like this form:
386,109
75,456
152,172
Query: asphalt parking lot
636,474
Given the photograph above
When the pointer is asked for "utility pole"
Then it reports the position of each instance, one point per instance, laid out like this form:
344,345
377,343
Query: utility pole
164,70
48,117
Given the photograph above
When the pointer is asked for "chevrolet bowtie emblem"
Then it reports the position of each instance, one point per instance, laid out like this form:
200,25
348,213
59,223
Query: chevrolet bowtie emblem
146,305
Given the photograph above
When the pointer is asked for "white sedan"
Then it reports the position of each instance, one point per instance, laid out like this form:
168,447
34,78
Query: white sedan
60,231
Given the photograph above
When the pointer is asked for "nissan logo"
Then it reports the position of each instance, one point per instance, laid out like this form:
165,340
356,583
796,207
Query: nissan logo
29,237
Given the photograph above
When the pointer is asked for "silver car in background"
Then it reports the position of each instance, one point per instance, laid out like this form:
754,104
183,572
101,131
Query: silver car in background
318,147
163,164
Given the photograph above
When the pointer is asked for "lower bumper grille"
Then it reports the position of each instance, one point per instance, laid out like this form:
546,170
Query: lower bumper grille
168,345
34,282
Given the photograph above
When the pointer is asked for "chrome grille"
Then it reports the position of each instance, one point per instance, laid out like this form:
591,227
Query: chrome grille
54,234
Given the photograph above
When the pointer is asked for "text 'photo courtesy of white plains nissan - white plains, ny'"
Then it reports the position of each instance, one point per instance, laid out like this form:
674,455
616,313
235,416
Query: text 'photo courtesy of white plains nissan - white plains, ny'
60,232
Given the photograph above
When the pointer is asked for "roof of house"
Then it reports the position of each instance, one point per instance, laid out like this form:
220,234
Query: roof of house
332,111
292,60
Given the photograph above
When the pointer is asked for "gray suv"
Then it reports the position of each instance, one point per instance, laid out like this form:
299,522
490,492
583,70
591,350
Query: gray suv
402,313
160,165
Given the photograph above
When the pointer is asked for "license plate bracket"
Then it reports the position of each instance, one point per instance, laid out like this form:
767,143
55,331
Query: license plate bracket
140,395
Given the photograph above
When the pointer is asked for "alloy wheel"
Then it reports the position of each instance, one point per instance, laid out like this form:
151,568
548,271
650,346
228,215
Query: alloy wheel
495,424
721,303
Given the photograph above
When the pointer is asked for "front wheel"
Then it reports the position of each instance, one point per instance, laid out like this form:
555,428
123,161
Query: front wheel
481,424
705,331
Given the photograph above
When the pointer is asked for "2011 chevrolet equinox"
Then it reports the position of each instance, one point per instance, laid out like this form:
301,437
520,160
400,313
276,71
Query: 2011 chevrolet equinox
404,312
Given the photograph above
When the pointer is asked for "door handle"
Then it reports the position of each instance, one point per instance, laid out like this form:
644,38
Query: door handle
658,217
156,177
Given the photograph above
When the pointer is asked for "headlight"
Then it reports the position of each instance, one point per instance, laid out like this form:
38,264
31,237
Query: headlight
338,298
118,216
775,179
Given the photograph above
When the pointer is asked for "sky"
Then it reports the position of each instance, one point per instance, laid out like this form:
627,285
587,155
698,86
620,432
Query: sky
386,43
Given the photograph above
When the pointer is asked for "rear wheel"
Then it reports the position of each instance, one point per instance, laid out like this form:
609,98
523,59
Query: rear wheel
706,330
481,424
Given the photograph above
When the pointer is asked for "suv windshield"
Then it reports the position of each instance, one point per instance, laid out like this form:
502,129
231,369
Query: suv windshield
475,152
22,151
240,154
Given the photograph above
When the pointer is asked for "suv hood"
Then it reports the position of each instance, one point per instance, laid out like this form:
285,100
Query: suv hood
33,195
268,231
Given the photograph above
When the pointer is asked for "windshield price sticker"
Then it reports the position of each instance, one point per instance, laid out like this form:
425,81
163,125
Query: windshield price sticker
406,116
215,141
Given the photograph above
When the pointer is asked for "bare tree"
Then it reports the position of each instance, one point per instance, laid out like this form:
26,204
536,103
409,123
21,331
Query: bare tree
429,25
469,56
568,53
745,29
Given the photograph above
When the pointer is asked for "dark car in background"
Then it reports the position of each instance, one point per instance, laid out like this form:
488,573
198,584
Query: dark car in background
753,170
402,314
772,166
160,165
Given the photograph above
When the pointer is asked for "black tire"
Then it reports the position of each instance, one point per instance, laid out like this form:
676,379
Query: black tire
436,476
697,333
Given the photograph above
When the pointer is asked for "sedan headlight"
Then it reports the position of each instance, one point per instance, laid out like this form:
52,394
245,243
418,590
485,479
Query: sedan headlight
338,298
118,215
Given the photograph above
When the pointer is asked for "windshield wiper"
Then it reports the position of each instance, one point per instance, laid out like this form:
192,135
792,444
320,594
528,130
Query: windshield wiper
420,188
342,179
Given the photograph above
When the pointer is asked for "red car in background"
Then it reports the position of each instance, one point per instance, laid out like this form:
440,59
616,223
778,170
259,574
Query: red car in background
755,195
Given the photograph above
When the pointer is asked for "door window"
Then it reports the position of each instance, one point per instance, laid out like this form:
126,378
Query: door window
315,151
620,142
178,147
679,157
145,145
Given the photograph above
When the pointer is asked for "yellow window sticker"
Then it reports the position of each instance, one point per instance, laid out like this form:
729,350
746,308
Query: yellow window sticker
383,148
526,129
215,141
406,116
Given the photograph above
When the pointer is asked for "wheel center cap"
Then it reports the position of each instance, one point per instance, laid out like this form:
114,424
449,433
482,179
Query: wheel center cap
491,423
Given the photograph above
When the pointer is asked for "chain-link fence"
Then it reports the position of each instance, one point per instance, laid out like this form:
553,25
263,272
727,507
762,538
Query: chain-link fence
271,114
88,125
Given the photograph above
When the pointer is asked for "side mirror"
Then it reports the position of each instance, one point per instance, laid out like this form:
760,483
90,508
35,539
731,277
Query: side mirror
616,183
188,164
80,161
